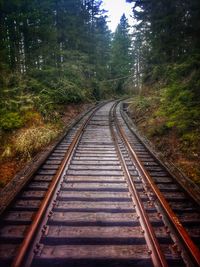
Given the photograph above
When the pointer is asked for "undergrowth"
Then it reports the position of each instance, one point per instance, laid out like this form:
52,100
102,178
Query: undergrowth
169,109
20,145
31,140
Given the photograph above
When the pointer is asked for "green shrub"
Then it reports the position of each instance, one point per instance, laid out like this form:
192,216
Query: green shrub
32,117
158,130
10,121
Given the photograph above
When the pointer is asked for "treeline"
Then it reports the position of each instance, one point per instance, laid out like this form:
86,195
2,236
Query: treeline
167,65
51,51
167,32
167,59
57,51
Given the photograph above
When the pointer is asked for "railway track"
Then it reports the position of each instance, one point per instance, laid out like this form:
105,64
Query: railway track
101,199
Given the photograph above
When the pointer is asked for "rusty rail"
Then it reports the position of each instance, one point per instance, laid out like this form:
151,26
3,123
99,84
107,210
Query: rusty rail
157,255
21,253
135,202
190,246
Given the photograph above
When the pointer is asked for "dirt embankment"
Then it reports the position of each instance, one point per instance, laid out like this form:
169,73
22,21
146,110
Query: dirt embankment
166,141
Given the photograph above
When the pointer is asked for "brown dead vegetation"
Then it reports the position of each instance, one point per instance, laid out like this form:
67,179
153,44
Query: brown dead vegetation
16,148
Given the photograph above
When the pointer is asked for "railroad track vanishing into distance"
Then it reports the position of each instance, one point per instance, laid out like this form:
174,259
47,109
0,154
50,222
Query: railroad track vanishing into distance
101,199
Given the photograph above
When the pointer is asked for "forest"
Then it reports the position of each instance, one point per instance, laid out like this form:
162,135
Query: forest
167,65
55,53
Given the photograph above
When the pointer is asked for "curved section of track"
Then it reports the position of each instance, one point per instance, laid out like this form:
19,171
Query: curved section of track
99,210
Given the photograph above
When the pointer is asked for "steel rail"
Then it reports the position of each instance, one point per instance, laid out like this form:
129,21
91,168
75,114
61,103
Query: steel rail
29,170
193,191
190,246
156,253
21,253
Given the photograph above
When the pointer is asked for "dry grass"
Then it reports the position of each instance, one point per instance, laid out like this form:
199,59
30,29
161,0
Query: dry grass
31,140
19,146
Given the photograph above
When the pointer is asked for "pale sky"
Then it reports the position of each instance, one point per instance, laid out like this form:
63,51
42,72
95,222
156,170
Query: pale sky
115,10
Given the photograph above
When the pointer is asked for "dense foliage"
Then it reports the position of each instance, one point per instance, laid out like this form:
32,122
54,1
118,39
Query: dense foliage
167,70
168,34
51,52
54,52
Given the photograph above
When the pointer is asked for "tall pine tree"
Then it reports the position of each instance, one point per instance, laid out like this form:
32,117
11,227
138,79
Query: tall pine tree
121,54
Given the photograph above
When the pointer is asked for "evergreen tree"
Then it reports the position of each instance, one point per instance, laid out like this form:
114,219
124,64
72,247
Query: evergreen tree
167,53
121,54
54,46
170,28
